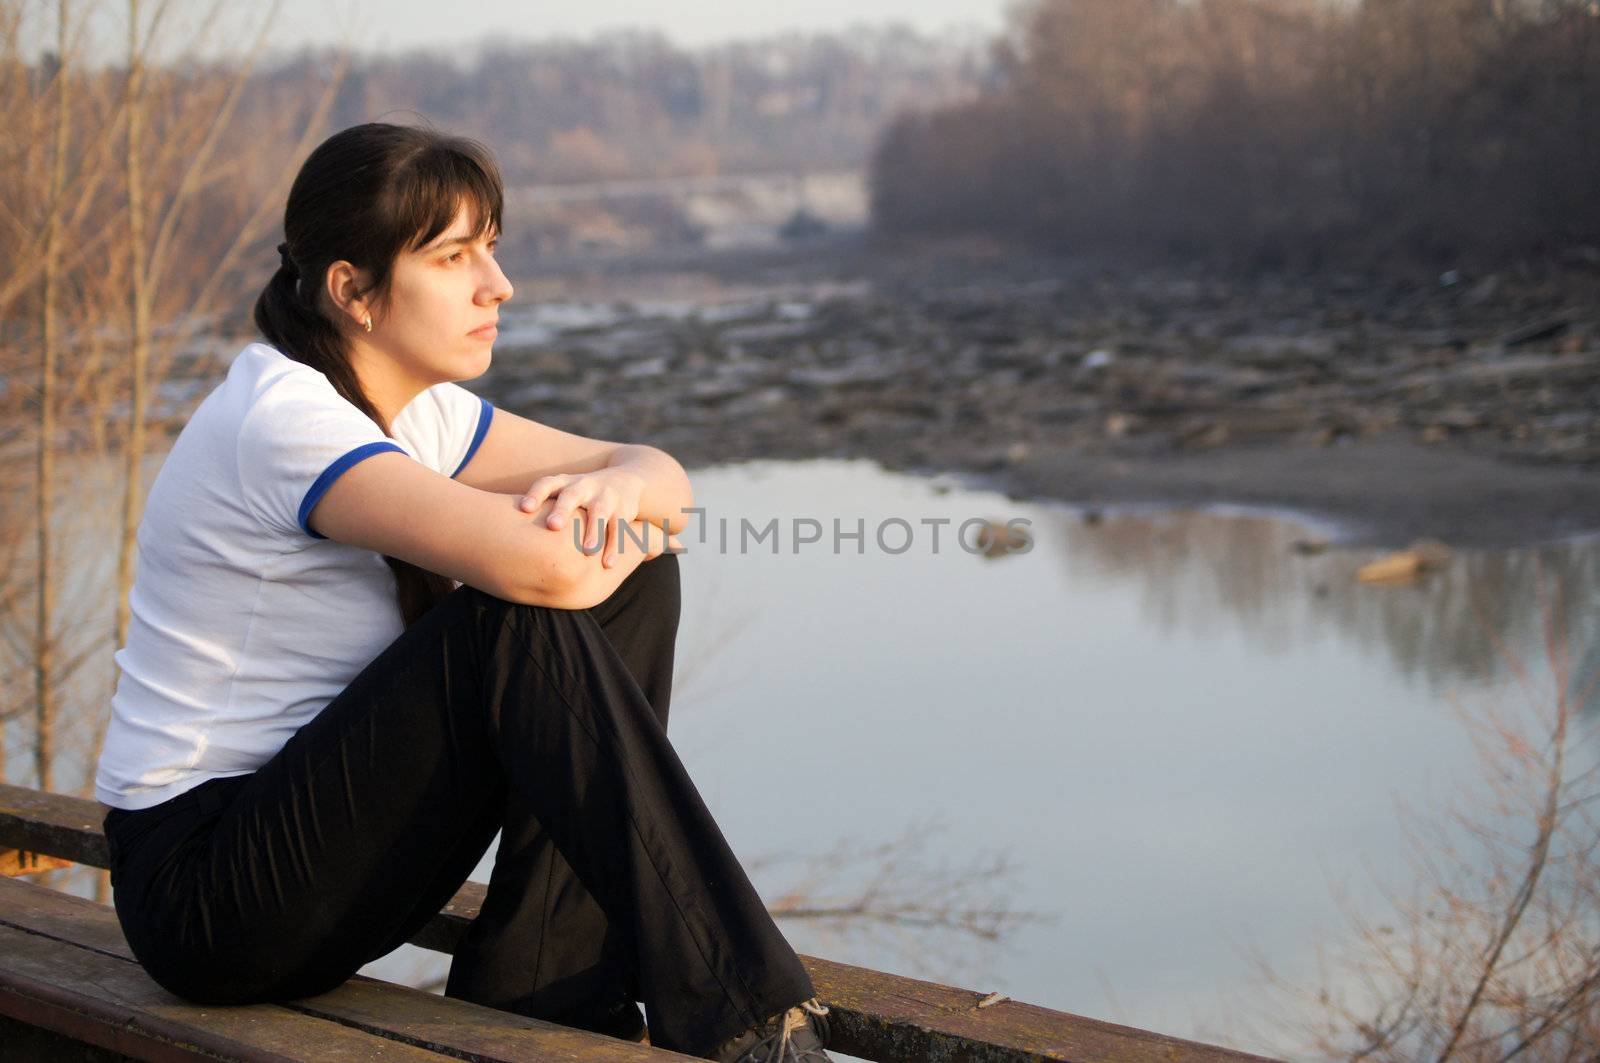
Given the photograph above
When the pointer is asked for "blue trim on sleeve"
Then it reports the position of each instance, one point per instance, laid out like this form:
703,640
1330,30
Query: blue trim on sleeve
485,415
332,473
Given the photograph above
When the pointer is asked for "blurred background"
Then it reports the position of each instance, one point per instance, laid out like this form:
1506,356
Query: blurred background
1275,322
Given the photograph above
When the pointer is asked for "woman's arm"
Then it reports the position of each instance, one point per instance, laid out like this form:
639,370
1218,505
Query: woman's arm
516,452
393,505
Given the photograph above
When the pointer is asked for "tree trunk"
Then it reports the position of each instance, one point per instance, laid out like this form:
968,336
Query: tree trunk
139,298
44,635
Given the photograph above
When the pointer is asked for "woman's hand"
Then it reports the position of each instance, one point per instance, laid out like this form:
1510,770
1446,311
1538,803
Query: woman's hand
608,496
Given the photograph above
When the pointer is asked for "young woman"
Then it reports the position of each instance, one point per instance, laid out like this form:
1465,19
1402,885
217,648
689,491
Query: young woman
316,733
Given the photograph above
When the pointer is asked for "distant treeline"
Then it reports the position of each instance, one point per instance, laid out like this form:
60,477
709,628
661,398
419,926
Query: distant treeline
631,104
1269,132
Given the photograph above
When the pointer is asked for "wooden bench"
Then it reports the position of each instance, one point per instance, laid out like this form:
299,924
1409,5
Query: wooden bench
70,989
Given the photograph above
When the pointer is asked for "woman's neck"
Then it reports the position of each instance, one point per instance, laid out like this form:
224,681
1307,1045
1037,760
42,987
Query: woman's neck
388,387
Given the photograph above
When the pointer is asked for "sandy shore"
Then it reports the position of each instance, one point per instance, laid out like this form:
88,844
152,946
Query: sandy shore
1377,492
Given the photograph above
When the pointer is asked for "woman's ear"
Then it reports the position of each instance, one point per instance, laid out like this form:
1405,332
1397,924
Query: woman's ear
347,289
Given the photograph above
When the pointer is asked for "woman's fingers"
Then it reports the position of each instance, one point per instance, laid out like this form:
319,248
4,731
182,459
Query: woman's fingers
602,520
599,527
570,498
596,531
608,556
540,489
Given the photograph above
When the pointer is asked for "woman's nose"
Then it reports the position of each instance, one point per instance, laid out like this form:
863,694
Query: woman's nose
496,288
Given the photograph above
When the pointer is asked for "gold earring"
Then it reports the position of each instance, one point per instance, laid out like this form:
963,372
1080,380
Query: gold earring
367,322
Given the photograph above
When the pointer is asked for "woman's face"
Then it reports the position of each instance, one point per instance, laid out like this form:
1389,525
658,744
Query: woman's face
438,319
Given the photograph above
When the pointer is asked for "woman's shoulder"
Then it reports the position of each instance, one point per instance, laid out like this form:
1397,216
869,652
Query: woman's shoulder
259,365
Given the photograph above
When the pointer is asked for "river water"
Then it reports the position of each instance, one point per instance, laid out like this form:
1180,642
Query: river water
1146,748
1159,742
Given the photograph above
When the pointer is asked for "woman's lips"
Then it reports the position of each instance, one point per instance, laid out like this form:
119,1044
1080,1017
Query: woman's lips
486,332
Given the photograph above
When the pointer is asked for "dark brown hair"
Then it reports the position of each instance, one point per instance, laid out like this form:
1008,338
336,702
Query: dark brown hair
364,196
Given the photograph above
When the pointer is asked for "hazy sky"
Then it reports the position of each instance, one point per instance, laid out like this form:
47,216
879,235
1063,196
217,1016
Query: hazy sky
371,25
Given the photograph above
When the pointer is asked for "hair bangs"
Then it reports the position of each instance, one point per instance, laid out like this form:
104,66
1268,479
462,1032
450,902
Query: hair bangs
443,180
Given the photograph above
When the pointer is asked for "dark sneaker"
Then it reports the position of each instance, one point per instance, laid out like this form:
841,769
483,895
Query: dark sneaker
621,1019
799,1035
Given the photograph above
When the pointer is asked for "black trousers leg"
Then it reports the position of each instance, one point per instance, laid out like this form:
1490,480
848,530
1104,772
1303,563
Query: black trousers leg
536,907
327,853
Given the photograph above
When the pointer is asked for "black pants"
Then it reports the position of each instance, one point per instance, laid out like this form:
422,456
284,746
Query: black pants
612,882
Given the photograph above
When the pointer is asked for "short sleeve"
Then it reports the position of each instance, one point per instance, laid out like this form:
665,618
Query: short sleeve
444,426
298,437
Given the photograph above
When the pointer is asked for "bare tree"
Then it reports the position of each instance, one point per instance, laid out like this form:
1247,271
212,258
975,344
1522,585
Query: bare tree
44,640
129,211
1494,953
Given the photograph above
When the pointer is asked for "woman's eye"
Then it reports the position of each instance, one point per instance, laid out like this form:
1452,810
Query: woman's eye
454,256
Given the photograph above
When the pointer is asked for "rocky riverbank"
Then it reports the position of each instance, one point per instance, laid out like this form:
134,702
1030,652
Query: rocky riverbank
1465,407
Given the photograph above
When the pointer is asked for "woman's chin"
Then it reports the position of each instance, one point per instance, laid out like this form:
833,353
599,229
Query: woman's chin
477,364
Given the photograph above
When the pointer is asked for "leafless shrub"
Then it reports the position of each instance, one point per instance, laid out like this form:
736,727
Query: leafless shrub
1493,953
890,899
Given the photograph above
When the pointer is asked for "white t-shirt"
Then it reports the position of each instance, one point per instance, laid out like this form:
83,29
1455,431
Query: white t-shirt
244,622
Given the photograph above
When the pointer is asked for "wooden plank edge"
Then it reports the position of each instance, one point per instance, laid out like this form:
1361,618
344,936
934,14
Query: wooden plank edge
88,997
84,1019
56,824
875,1024
491,1035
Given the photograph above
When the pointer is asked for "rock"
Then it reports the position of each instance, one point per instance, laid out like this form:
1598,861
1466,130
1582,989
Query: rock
1205,436
644,367
1400,567
996,539
548,363
1430,553
1120,425
1541,329
1484,290
758,401
1271,350
1424,555
1457,417
766,332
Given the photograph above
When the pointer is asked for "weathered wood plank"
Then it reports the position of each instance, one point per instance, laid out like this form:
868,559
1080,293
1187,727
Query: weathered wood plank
68,827
487,1034
30,1044
892,1017
875,1015
886,1017
112,1004
62,917
397,1014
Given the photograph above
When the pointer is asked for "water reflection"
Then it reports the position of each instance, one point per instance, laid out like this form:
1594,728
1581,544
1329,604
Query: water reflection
1188,736
1196,571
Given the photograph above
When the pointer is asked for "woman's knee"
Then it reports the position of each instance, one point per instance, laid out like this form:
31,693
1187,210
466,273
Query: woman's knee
653,587
659,581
